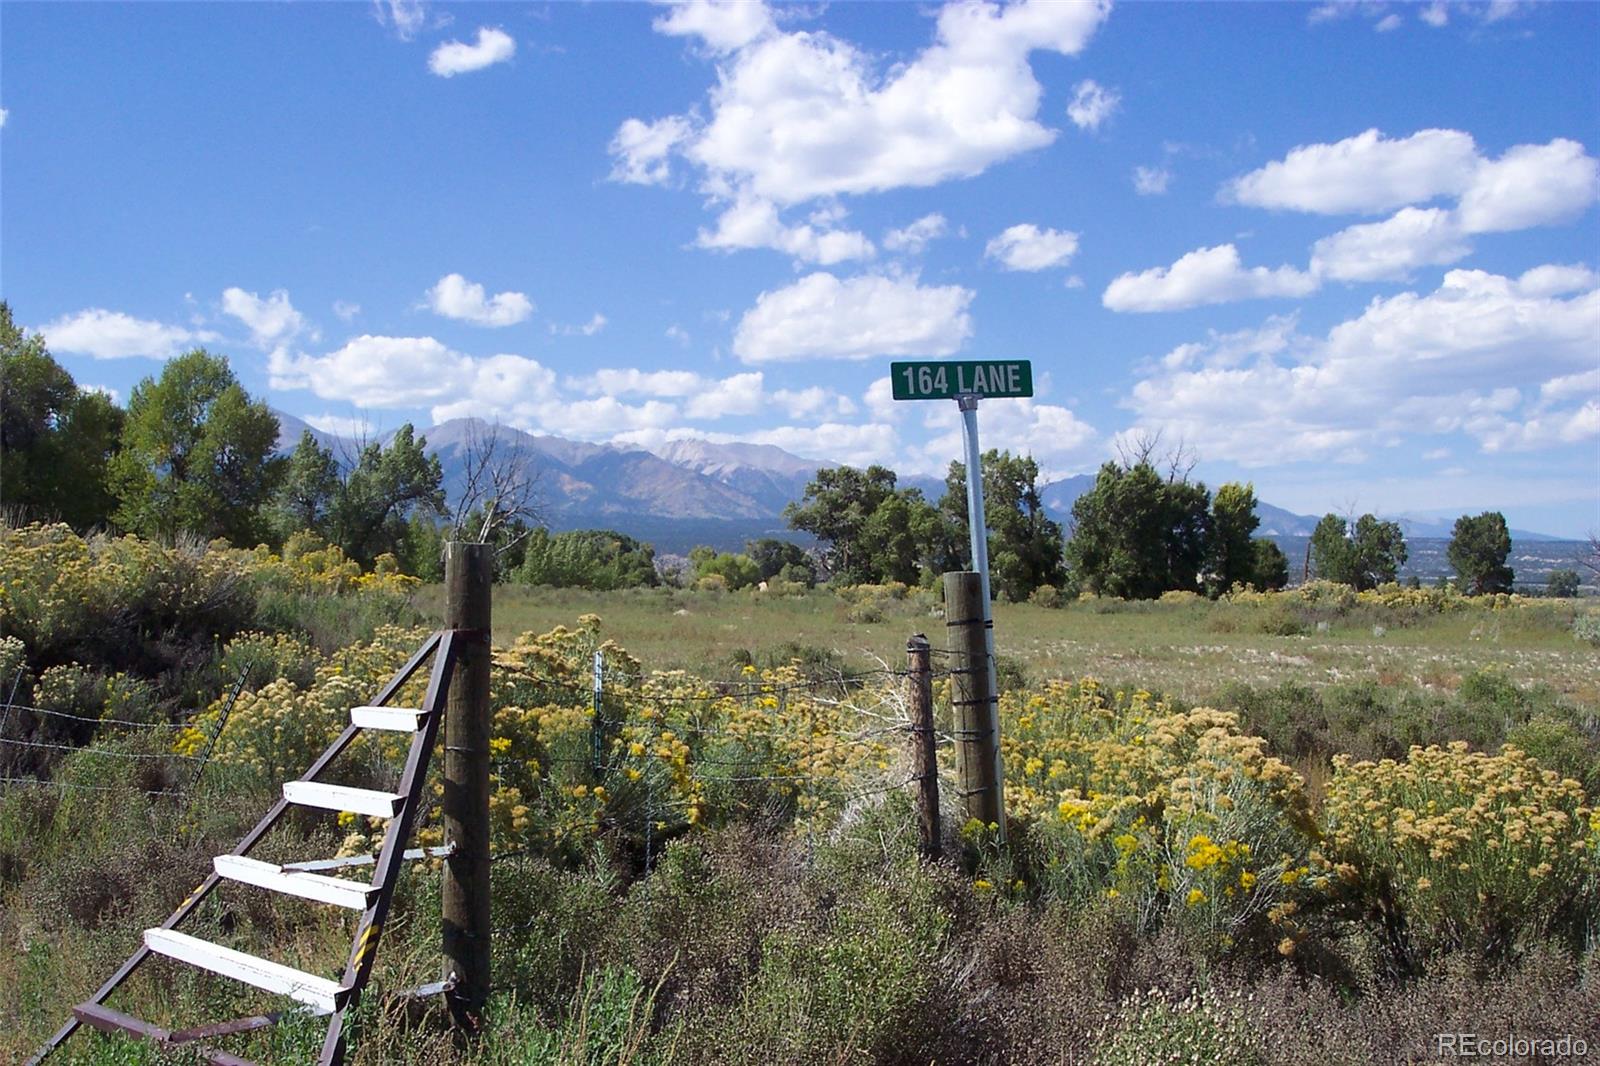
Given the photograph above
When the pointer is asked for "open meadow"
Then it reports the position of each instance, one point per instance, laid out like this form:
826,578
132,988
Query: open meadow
1301,827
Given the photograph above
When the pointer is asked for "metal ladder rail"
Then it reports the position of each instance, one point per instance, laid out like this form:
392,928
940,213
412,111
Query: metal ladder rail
442,641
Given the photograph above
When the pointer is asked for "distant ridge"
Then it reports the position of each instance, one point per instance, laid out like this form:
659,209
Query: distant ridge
720,493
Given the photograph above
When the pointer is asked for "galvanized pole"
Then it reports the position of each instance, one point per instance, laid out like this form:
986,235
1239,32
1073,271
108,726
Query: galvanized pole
468,570
978,530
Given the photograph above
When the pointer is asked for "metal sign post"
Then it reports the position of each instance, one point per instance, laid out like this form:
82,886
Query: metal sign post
967,382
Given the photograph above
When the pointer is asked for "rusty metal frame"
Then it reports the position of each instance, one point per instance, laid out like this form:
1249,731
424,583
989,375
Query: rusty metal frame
96,1015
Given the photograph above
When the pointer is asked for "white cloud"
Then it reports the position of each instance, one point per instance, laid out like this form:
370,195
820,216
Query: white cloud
1435,14
641,149
1442,362
799,116
1027,247
405,17
1391,249
751,222
723,25
375,371
1568,386
1530,185
271,321
4,114
677,333
456,297
455,57
104,390
813,402
842,442
1151,181
632,381
880,401
1557,280
1388,23
106,334
596,323
1364,174
740,394
1053,435
912,239
1092,104
346,310
350,427
1205,276
820,316
585,419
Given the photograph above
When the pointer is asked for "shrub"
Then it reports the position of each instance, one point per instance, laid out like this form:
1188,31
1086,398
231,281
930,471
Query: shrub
1155,1029
1459,849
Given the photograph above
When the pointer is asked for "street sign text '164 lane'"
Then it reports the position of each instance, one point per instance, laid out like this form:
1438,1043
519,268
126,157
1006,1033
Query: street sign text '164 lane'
945,380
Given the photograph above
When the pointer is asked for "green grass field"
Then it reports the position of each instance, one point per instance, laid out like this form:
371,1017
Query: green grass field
1192,650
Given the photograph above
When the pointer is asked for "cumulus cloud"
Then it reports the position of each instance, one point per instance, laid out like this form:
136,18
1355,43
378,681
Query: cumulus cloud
375,371
641,151
1365,174
912,239
1441,362
1530,185
1092,104
822,317
456,57
1392,249
106,334
1053,435
1205,276
346,309
1435,14
1151,181
466,301
741,394
722,25
751,222
1027,247
4,114
802,116
1388,23
271,321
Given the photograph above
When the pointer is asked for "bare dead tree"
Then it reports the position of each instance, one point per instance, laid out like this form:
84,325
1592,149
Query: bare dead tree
1143,448
501,479
1589,555
1137,448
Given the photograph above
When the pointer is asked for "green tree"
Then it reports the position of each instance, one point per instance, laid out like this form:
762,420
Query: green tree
782,558
311,485
869,531
387,485
1563,583
1365,556
1025,544
1270,568
197,455
55,438
1478,550
1233,553
587,558
1137,535
737,570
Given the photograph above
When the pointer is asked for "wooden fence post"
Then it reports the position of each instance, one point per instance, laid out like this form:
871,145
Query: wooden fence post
468,570
977,719
924,759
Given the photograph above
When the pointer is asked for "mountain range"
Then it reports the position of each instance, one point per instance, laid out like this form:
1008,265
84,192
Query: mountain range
699,492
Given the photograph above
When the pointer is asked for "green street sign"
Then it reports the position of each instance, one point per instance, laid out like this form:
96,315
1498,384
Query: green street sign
940,379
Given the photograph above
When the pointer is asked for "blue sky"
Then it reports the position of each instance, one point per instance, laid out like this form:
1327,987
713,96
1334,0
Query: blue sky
1347,252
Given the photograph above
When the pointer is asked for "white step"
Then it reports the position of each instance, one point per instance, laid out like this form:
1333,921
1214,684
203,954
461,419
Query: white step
323,889
319,993
343,798
400,719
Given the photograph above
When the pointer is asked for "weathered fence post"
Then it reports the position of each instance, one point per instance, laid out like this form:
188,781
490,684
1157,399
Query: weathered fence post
468,570
976,704
924,759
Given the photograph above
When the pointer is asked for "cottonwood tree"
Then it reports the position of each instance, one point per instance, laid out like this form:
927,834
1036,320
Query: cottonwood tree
1478,550
869,530
55,438
197,455
1026,549
311,484
1365,555
1137,534
381,491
